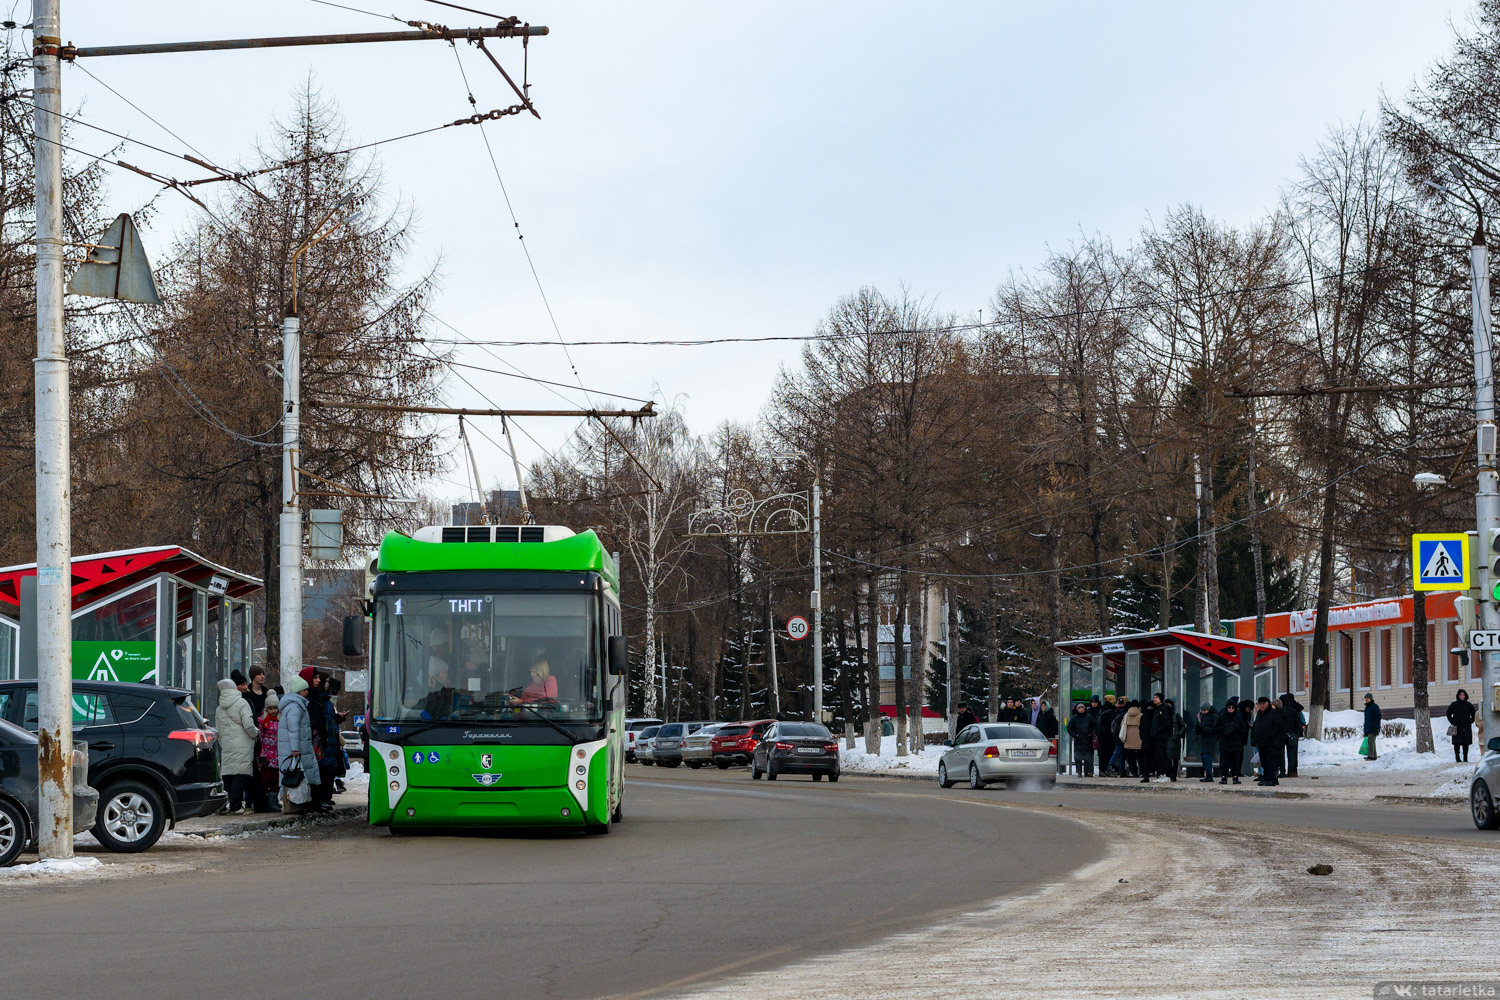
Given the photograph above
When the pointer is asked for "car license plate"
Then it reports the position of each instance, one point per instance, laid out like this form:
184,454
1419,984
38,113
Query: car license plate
1024,753
808,750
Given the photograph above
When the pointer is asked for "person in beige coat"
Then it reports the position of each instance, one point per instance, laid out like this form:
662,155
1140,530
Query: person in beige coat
1133,738
237,732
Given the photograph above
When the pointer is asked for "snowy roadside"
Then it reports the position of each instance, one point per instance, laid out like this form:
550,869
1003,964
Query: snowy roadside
1185,908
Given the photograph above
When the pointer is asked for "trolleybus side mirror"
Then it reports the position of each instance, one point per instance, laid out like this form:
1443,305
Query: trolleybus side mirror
353,627
617,655
1494,744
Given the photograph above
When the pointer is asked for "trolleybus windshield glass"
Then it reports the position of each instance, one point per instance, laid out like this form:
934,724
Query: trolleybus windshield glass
500,657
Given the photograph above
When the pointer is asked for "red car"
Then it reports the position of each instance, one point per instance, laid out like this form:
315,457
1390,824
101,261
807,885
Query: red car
735,743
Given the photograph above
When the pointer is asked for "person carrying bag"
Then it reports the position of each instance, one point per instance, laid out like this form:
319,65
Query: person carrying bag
298,762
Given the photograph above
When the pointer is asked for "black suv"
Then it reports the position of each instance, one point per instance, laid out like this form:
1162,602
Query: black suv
151,755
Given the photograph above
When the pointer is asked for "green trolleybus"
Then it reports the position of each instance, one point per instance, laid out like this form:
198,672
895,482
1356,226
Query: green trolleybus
497,693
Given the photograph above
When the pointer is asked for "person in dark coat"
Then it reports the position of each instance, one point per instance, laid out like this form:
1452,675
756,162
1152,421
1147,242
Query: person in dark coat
1232,728
1206,726
1179,732
1148,743
1291,712
1107,722
1081,734
966,717
1461,719
1372,726
1268,734
1162,726
1046,721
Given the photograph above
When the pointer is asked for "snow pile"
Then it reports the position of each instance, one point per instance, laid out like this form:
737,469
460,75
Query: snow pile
1396,754
358,779
1456,780
857,760
53,866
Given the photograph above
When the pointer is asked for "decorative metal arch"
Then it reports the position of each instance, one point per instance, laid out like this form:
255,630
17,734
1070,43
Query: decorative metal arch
743,515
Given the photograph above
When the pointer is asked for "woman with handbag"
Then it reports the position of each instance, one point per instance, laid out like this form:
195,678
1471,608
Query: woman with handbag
1461,725
298,762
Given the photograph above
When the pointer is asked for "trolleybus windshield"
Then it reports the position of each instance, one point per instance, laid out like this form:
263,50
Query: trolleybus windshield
476,657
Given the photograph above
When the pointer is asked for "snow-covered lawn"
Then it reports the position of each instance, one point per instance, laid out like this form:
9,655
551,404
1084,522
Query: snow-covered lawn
857,760
1395,754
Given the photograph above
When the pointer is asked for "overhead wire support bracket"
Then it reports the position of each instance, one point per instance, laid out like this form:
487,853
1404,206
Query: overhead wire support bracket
475,35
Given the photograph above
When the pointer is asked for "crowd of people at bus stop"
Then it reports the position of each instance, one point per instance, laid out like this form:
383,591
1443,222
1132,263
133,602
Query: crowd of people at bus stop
281,748
1144,739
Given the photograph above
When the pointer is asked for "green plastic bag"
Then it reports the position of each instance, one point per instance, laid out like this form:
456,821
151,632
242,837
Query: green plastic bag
1364,747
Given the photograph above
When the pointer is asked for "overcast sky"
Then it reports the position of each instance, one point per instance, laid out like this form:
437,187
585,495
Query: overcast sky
731,170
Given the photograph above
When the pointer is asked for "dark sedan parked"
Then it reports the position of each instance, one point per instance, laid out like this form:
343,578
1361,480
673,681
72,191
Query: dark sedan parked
796,748
19,809
151,755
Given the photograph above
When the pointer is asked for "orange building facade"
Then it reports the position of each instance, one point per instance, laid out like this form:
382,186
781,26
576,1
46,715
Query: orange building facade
1370,650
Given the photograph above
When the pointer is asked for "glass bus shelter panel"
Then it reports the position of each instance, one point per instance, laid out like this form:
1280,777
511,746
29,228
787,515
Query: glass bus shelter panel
131,617
10,636
215,623
239,637
184,637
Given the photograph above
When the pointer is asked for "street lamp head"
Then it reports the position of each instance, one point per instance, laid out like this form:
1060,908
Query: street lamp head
1429,479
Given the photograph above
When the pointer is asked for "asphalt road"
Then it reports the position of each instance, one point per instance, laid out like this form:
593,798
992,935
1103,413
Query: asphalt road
709,874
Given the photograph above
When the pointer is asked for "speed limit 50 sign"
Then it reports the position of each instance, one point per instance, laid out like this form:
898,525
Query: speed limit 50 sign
796,627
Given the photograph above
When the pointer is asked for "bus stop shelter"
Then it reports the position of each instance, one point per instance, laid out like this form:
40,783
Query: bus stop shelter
159,615
1186,666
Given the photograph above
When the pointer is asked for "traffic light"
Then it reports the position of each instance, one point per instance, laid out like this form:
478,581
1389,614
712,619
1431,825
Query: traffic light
1492,558
1466,607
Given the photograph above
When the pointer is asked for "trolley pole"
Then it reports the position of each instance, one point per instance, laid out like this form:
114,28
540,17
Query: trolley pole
54,555
817,596
1487,501
291,509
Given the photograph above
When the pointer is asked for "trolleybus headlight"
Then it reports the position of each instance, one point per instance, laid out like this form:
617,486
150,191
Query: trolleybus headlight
395,786
582,769
580,785
567,812
393,754
395,769
410,811
580,753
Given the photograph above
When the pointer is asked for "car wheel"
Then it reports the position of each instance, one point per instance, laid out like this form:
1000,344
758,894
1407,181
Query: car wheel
754,771
1482,805
1050,784
974,780
722,765
943,780
619,813
819,777
12,833
771,770
694,764
131,819
596,829
834,776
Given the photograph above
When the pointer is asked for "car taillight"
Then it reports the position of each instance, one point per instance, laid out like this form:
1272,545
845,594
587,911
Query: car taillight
784,746
1052,748
992,751
833,747
197,737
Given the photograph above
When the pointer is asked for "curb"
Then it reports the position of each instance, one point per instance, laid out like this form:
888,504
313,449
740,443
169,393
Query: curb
1425,800
272,821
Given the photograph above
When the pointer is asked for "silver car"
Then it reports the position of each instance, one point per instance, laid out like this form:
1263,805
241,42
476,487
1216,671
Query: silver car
1485,786
697,749
645,746
998,751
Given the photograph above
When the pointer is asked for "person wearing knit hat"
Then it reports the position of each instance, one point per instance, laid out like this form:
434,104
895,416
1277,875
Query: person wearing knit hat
306,673
267,774
294,745
272,702
237,735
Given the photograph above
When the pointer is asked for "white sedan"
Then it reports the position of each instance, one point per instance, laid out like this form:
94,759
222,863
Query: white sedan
998,751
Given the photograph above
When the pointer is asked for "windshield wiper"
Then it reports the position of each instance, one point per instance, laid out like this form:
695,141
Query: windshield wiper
539,715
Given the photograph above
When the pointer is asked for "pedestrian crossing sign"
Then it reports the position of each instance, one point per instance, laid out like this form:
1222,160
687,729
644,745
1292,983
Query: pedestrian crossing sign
1440,561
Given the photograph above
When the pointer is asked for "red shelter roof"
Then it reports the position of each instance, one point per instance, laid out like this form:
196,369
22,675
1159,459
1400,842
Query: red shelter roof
1214,648
96,576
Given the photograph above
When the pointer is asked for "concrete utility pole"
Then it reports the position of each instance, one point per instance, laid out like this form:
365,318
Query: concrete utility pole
54,552
1487,502
771,650
817,594
290,622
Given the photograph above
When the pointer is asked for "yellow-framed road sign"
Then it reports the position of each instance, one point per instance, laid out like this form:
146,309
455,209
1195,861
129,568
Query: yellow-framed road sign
1440,561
